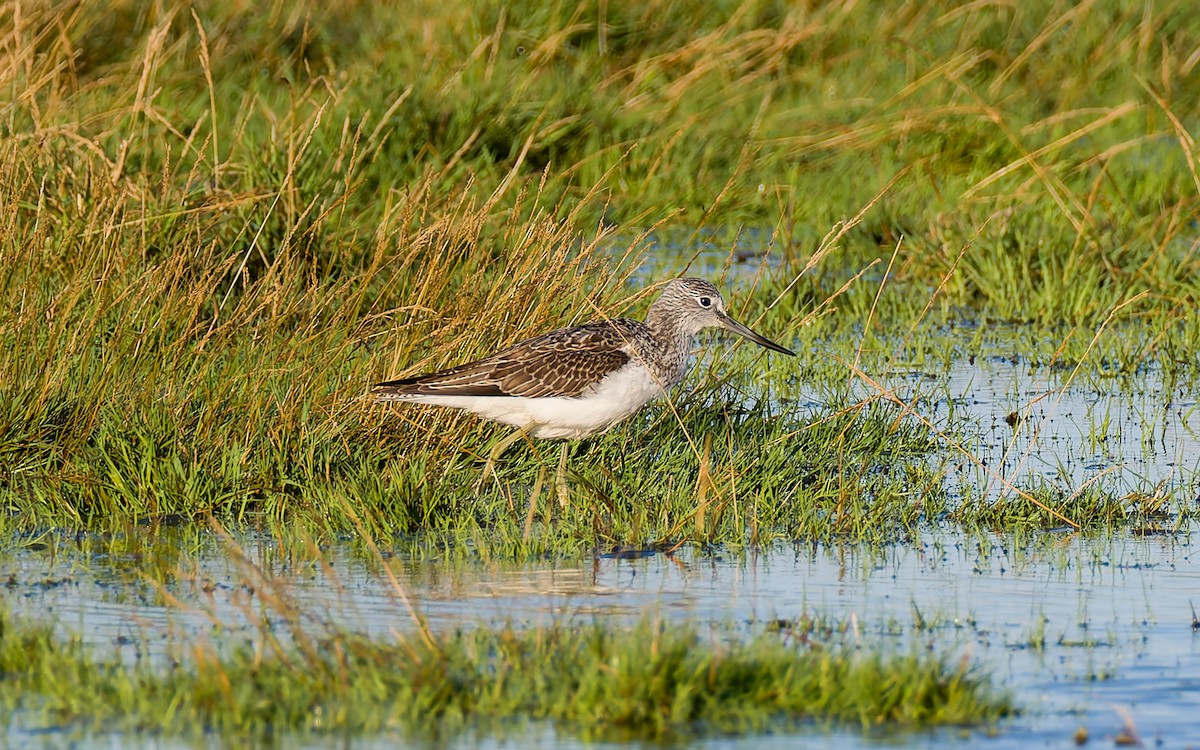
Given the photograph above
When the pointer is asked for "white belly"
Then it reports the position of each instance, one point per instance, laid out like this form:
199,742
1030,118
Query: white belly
617,397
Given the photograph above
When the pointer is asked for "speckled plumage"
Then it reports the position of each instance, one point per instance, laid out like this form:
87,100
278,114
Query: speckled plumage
579,381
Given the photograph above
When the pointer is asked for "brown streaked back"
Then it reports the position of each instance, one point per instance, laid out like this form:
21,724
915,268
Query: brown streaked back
562,363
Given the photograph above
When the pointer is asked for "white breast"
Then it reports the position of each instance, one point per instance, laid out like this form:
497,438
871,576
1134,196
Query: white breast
616,397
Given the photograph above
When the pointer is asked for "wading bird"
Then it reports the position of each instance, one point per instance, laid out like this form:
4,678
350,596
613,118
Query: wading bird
580,381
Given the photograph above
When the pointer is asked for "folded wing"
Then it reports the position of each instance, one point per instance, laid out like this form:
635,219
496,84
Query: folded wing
564,363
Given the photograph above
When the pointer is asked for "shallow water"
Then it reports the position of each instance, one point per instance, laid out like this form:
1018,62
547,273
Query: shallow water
1037,424
1011,424
1083,631
1087,632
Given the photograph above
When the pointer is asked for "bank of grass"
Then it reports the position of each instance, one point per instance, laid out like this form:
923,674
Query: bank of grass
220,227
1044,506
652,682
715,470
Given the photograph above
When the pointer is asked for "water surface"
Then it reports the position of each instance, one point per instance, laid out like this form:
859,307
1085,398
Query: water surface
1088,632
1084,631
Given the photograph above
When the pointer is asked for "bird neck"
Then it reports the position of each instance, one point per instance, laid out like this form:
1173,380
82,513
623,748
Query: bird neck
664,322
666,316
671,344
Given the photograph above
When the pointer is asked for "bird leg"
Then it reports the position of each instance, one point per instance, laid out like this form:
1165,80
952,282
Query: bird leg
560,482
489,467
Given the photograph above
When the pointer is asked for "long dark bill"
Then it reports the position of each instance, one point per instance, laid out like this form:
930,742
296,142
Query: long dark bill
743,331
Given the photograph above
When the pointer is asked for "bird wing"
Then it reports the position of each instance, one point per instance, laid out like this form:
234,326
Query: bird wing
561,363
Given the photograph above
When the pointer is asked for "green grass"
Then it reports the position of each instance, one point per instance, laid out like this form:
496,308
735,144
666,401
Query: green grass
219,228
653,682
1051,507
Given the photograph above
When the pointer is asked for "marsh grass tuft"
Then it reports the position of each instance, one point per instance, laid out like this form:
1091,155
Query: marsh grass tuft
653,682
1091,507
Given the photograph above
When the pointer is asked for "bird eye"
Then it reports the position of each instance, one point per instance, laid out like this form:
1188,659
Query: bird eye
705,302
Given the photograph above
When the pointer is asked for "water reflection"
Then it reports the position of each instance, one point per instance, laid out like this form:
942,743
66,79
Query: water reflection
1084,630
1036,422
1072,625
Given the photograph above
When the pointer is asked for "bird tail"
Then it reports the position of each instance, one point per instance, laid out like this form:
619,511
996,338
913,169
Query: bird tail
395,390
